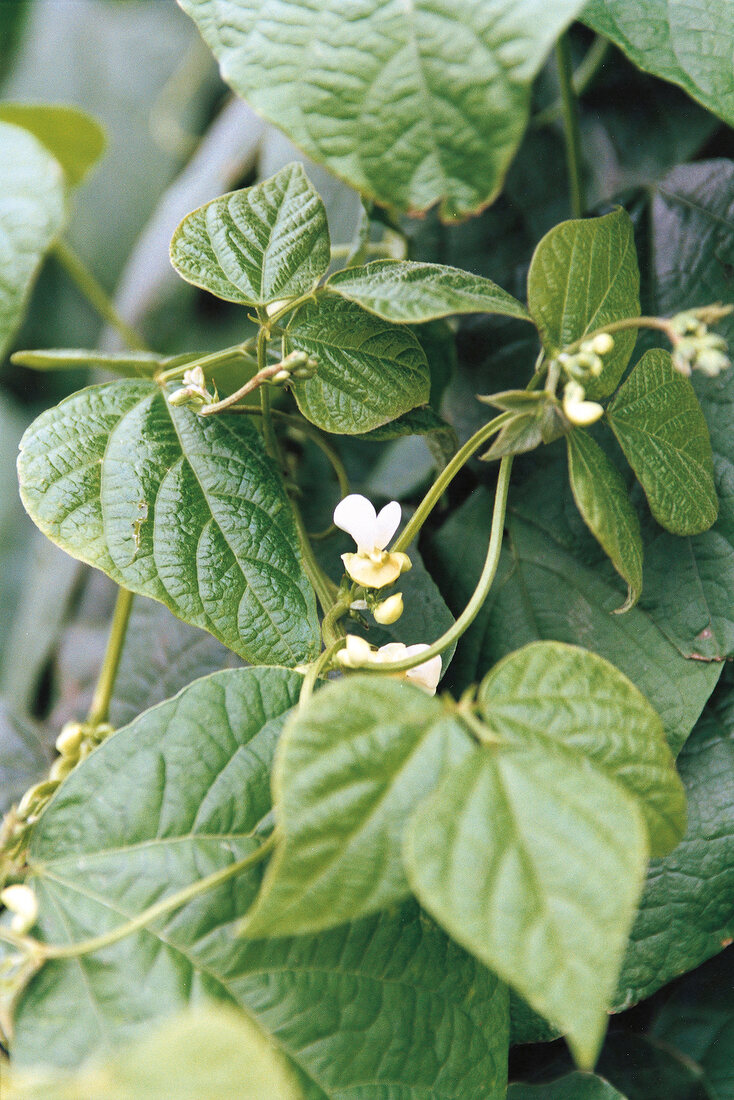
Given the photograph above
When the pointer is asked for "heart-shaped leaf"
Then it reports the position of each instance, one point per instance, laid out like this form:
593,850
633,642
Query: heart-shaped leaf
259,245
583,276
662,431
369,371
73,137
412,105
601,496
183,508
402,291
350,770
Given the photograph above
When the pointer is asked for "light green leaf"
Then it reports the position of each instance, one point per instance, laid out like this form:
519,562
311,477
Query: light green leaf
369,371
552,584
212,1051
32,213
402,291
514,856
583,276
660,427
549,693
73,137
259,245
128,364
575,1086
186,791
688,44
350,770
410,105
182,508
601,497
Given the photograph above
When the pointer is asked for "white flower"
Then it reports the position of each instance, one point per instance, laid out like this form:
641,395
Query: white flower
372,566
22,902
577,409
357,653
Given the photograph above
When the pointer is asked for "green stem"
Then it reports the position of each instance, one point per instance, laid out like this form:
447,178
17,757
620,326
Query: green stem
175,901
570,126
660,323
582,78
323,586
100,705
316,668
331,631
294,303
480,593
444,479
95,294
214,359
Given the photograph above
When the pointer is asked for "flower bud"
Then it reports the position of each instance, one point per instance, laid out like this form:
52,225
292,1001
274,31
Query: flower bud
579,411
390,610
404,561
21,901
602,344
280,377
356,654
69,740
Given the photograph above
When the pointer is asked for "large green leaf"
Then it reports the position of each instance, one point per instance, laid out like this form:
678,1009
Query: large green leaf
32,213
351,768
575,1086
552,585
399,290
552,694
182,508
369,371
259,245
514,855
211,1051
411,105
601,495
186,791
662,431
75,139
688,44
583,276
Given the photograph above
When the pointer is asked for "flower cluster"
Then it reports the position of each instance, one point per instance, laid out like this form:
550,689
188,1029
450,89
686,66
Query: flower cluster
695,348
358,653
193,391
580,368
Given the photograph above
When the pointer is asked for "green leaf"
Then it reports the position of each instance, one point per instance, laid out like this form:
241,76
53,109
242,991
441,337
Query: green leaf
601,496
643,1069
259,245
514,855
402,291
410,105
210,1051
351,768
182,508
551,585
369,371
688,44
186,791
575,1086
583,276
660,427
549,693
128,364
25,755
73,137
32,214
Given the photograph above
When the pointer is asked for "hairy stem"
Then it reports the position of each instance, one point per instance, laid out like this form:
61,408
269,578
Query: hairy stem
100,705
570,126
95,294
315,670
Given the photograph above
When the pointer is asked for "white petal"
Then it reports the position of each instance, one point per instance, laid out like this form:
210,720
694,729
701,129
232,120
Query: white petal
393,651
356,515
426,675
388,521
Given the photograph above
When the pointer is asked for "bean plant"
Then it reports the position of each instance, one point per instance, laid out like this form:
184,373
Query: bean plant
429,809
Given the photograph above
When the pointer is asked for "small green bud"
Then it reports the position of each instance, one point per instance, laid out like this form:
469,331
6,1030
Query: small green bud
390,610
280,377
61,768
69,740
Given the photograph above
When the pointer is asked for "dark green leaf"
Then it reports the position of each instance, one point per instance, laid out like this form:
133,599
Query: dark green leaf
643,1069
552,694
186,791
25,756
601,496
438,341
575,1086
583,276
182,508
32,213
402,291
256,246
369,371
514,855
411,106
688,44
662,431
73,137
351,768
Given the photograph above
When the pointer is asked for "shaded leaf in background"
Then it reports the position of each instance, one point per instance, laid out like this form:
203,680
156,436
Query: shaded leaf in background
186,792
185,509
575,1086
659,424
25,755
411,107
583,276
73,137
259,245
369,371
351,768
